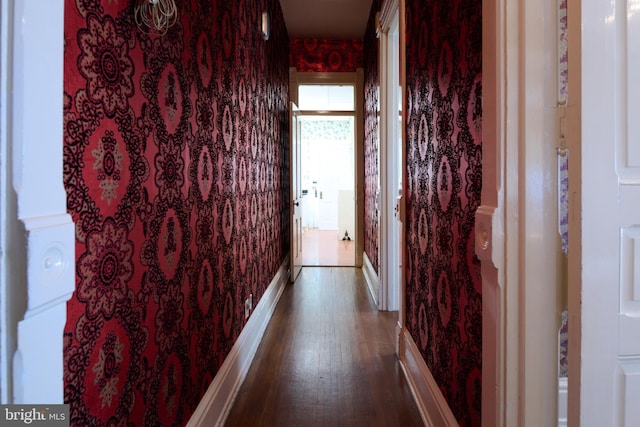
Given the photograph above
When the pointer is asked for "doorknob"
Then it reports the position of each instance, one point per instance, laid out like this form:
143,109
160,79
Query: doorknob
296,203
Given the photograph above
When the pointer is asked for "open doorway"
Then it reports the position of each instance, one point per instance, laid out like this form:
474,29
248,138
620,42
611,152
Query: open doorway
327,174
330,116
328,197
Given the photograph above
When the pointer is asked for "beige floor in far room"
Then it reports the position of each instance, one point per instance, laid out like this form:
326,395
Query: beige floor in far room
323,248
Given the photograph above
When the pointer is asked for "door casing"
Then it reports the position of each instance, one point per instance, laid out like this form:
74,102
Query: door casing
357,80
516,230
392,160
37,236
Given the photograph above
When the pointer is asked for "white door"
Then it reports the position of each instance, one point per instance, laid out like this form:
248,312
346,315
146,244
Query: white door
326,160
296,193
605,391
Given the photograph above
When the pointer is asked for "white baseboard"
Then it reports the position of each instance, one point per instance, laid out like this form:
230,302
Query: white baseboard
371,277
214,407
431,403
563,390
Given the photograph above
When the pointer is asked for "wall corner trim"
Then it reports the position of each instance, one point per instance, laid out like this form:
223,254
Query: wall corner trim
216,403
430,401
371,277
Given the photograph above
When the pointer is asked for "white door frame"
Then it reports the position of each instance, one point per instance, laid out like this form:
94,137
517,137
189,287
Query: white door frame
357,80
37,236
295,222
574,400
516,236
391,212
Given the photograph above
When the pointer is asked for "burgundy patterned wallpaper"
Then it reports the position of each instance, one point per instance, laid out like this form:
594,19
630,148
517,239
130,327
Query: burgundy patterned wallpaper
371,137
176,172
444,150
325,55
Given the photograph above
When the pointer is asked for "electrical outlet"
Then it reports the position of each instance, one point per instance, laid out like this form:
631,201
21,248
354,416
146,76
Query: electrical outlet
247,308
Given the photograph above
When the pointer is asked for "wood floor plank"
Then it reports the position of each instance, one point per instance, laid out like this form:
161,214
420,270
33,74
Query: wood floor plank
327,358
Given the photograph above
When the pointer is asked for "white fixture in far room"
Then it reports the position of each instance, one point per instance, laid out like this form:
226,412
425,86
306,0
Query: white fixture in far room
265,26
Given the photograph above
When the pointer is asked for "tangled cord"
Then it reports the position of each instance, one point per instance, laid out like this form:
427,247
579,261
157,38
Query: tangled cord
156,14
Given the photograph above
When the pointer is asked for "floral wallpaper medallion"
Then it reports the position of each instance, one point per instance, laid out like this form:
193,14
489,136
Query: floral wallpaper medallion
243,255
227,317
170,170
242,96
105,64
168,319
204,59
227,128
254,142
444,183
423,332
242,176
227,221
205,286
423,233
105,270
110,166
205,173
170,243
107,369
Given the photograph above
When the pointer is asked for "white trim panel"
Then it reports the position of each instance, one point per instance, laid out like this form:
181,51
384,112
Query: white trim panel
40,235
627,412
431,403
371,277
563,394
214,407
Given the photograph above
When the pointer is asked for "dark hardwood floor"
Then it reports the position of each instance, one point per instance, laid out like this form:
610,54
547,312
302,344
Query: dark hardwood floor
327,359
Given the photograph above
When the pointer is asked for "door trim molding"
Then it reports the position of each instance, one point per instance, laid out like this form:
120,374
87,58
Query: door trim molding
495,233
390,231
574,141
387,11
520,303
356,79
37,269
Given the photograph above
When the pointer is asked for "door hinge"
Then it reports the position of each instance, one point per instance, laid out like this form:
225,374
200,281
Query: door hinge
561,111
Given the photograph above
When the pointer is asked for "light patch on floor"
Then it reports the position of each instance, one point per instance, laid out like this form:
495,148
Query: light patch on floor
325,248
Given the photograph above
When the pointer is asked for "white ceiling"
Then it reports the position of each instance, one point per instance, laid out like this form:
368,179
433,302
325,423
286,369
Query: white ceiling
334,19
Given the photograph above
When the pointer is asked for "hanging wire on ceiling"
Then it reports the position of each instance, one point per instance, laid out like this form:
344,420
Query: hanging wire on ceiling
158,15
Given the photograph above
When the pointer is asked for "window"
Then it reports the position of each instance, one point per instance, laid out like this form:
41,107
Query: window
326,97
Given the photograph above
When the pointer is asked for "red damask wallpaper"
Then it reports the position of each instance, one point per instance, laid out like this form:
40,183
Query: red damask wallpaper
325,55
371,137
444,167
176,172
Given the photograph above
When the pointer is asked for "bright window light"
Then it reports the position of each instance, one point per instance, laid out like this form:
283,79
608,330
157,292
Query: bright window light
326,97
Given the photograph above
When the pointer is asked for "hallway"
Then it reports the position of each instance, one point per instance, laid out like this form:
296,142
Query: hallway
327,359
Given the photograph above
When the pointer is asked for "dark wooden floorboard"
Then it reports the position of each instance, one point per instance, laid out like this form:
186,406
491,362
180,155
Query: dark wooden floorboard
327,359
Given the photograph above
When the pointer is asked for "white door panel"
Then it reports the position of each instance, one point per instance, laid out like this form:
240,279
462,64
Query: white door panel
610,129
296,193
